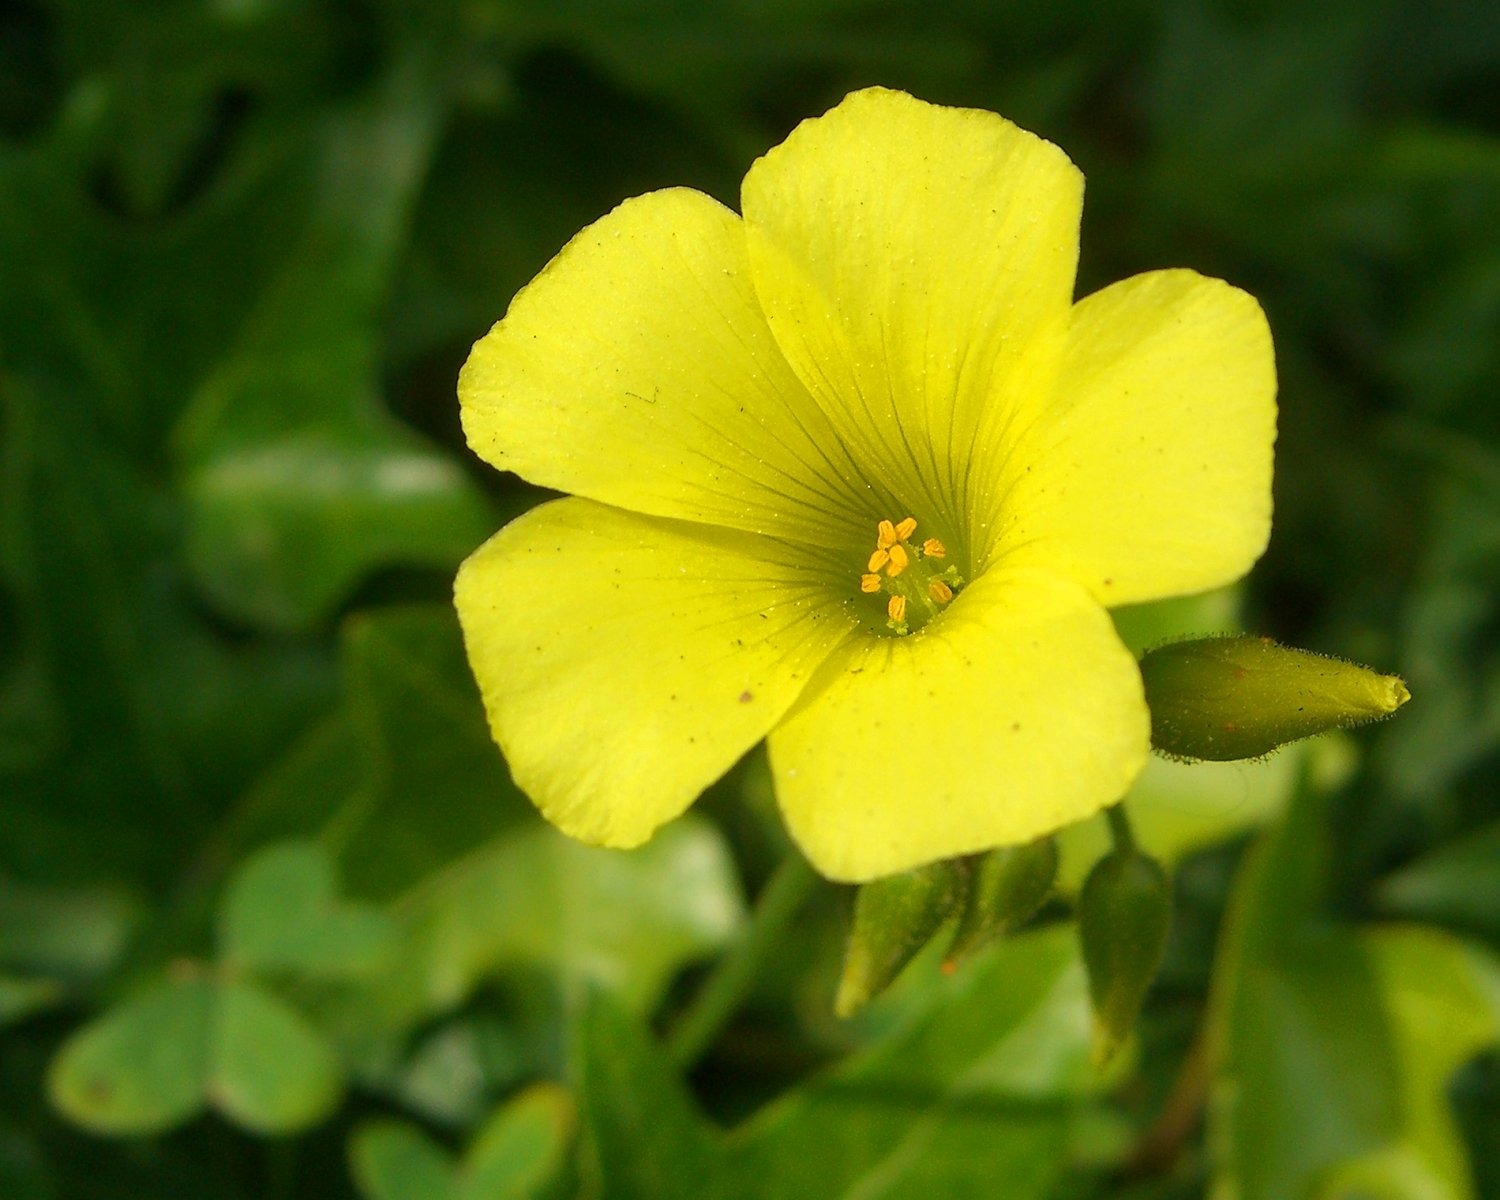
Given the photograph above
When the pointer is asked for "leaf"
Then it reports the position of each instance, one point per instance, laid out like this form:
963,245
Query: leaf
402,779
1443,998
270,1071
644,1136
972,1091
394,1160
152,1062
436,788
1448,627
142,1067
1338,1041
74,933
536,899
515,1154
521,1148
20,997
281,913
1457,884
297,483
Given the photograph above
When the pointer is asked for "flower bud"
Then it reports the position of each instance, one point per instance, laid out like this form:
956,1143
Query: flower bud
1241,697
1006,887
1124,912
893,919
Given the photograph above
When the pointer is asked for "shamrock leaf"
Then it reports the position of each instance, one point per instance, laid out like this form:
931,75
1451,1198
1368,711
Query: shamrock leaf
282,914
160,1057
518,1151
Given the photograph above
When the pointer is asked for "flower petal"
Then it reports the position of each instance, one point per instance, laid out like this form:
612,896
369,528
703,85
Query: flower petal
1014,713
1150,474
907,257
638,370
626,662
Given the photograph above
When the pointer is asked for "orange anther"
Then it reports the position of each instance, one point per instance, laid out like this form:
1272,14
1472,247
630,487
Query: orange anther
869,583
878,559
940,591
934,548
899,560
896,609
885,536
905,528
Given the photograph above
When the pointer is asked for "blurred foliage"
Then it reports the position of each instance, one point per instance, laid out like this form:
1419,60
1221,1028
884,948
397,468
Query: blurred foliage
274,921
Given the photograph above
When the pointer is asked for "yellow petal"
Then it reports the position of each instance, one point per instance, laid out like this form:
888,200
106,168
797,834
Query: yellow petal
638,370
1150,473
626,662
1015,712
907,256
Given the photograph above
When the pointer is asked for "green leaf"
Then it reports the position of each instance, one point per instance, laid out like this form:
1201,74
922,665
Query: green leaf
521,1148
153,1062
393,1160
1457,884
516,1153
281,913
1443,1001
142,1067
436,788
20,997
270,1072
75,933
971,1093
644,1137
1338,1041
297,483
536,899
403,779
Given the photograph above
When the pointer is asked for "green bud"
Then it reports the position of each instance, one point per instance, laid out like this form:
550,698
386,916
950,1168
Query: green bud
1008,885
1124,912
1242,697
893,919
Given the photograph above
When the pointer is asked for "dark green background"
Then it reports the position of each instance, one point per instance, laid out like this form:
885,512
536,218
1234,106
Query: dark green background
244,247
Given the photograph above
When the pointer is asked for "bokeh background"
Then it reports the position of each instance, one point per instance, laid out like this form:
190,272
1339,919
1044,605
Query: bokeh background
273,921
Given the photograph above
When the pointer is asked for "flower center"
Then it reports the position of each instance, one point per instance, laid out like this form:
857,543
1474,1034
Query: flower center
916,579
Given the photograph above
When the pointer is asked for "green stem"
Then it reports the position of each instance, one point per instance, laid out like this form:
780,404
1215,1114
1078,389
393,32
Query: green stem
1119,829
723,991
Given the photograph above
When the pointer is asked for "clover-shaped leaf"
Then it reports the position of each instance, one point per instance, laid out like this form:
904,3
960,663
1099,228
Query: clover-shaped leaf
282,913
517,1152
159,1058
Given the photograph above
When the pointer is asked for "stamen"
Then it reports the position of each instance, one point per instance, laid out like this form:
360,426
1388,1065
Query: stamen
934,548
878,559
940,591
899,560
896,609
869,583
886,535
906,528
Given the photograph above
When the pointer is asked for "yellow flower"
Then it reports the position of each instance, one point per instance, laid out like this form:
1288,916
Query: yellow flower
854,473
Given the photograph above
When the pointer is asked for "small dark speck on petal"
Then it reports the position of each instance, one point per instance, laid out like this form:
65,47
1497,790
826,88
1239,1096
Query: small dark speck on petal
746,697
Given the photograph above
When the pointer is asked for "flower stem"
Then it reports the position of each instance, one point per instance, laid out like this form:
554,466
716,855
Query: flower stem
1119,828
724,989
